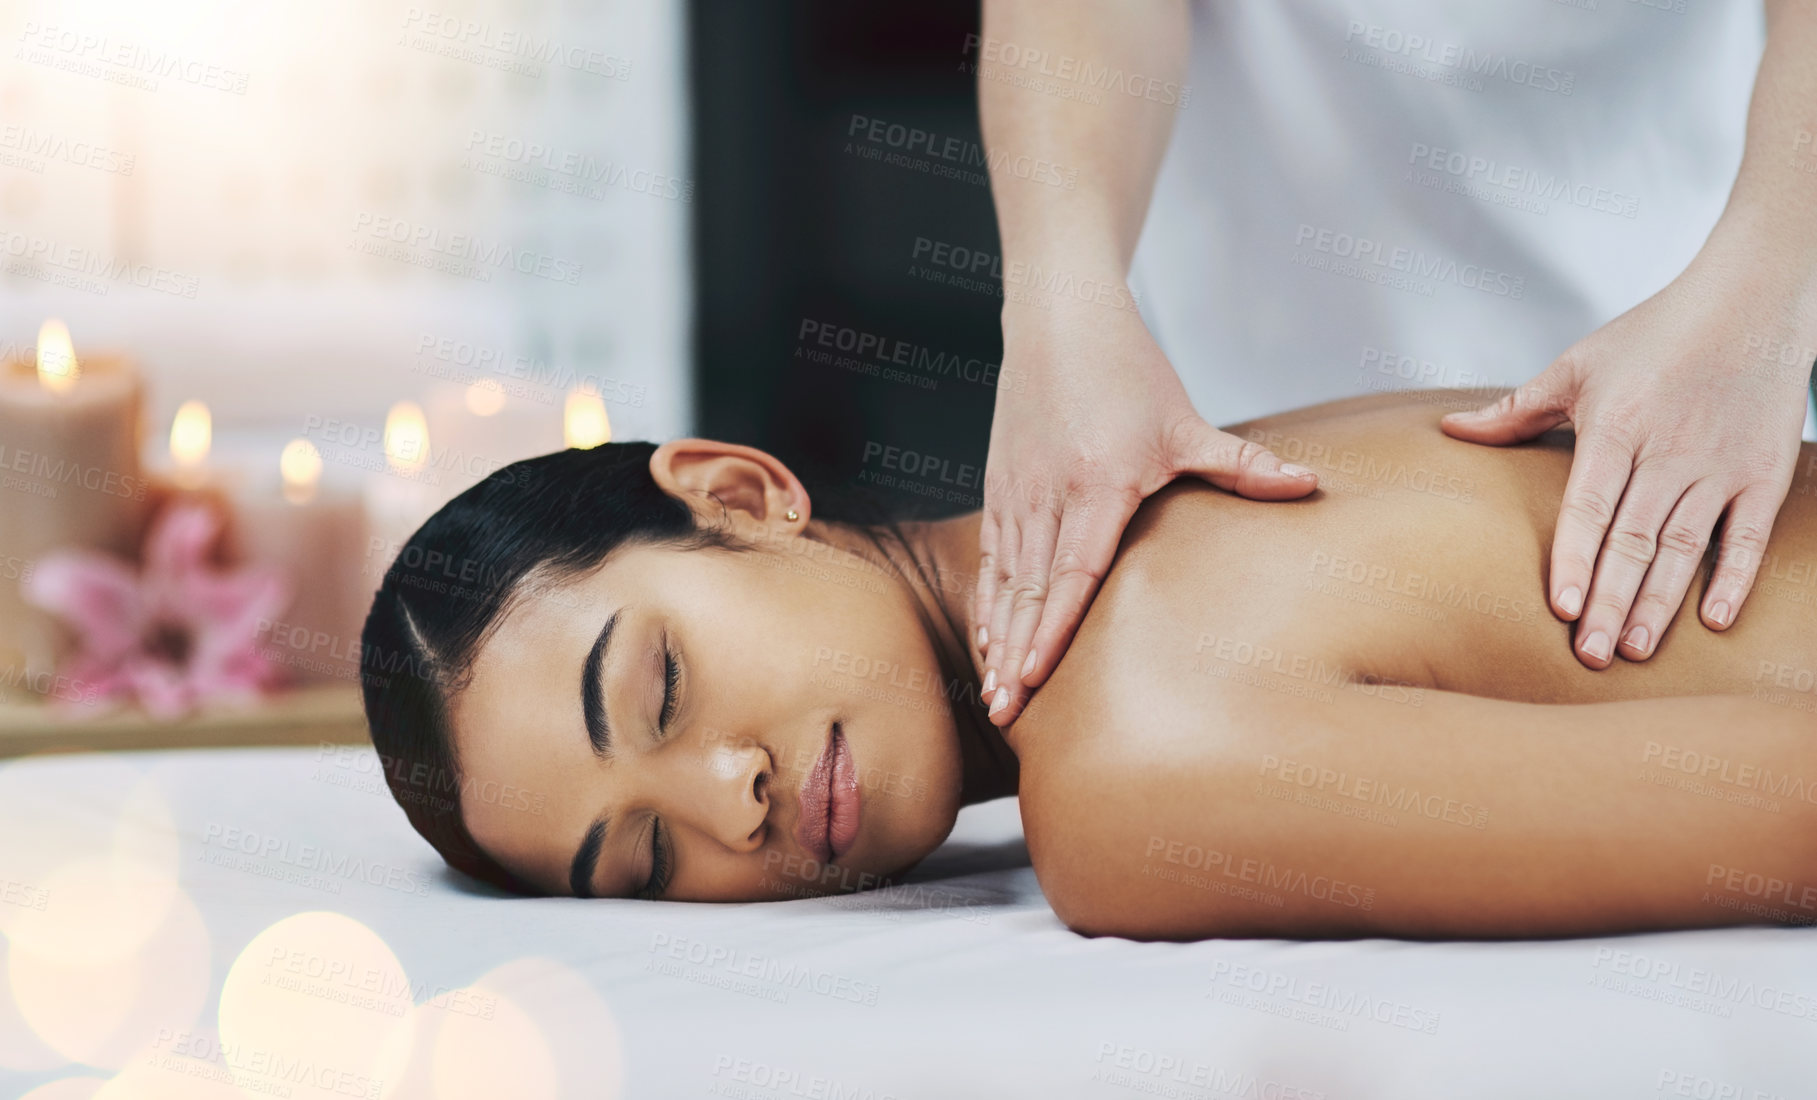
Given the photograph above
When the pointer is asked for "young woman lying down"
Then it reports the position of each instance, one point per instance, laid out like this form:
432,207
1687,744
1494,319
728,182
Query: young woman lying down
654,672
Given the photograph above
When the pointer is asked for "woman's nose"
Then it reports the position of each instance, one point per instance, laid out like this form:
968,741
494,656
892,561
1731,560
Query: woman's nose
735,795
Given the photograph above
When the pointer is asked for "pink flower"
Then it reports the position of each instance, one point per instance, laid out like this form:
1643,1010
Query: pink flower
174,633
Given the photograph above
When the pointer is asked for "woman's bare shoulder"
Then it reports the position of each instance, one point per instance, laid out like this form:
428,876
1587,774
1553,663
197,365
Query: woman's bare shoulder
1421,404
1086,688
1196,559
1125,704
1180,555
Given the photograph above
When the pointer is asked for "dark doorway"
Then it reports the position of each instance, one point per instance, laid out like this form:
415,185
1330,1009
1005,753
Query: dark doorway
836,148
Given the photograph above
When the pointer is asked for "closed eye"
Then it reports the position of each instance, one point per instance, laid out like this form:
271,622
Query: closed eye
662,857
671,689
662,864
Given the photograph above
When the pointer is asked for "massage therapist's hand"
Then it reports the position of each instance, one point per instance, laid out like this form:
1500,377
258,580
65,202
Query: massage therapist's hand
1682,411
1090,419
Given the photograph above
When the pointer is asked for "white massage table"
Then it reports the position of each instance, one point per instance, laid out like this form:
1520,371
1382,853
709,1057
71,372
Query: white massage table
961,983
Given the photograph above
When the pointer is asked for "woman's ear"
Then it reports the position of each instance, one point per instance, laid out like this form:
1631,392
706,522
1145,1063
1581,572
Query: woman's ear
729,482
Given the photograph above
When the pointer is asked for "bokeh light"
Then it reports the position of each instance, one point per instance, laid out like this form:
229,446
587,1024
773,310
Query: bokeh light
109,951
58,367
485,397
502,1054
406,437
98,1011
66,1088
20,1047
191,435
300,466
162,1075
584,420
323,989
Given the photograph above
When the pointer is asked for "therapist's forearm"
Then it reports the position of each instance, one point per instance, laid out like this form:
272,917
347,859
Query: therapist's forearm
1110,150
1772,208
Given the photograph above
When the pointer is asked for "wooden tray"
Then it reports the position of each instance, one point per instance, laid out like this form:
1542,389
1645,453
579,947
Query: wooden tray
301,716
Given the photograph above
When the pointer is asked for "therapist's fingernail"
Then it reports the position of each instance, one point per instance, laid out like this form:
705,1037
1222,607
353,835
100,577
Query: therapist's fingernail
1719,613
990,681
1636,639
1292,470
984,639
1028,664
1597,646
1571,600
1001,701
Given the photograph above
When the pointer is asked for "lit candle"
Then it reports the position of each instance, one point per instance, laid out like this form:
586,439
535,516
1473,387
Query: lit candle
401,498
477,431
406,439
56,359
300,467
584,420
316,533
191,435
484,398
69,478
189,476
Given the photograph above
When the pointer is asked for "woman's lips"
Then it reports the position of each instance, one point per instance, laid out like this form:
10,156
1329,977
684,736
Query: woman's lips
828,826
842,819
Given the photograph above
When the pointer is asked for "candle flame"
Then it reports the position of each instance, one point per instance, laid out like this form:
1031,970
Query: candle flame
485,397
301,465
406,438
191,433
584,420
57,366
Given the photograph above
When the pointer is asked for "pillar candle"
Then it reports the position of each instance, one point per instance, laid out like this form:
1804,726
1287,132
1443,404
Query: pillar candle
69,478
314,531
477,431
185,475
407,492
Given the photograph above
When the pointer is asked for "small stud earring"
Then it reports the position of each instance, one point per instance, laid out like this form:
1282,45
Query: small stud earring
791,515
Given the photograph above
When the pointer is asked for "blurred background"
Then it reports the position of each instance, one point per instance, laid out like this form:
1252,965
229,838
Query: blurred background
293,192
257,155
810,206
329,263
276,280
357,255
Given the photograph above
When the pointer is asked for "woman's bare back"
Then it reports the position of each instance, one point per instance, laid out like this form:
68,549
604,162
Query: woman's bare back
1422,561
1368,687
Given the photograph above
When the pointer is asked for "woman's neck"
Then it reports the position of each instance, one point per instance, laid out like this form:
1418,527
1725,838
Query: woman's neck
939,575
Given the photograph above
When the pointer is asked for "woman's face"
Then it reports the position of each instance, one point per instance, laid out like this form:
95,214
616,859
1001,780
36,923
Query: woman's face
663,727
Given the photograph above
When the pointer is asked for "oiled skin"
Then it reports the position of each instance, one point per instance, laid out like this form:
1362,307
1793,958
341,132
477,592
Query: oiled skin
1485,524
1228,626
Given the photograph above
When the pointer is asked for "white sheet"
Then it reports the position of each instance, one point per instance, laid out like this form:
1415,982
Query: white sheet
961,983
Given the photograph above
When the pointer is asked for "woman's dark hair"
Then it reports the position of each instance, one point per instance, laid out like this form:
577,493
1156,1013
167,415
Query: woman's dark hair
534,523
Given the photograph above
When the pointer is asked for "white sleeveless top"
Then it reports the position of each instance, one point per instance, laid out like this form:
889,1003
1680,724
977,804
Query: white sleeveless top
1374,194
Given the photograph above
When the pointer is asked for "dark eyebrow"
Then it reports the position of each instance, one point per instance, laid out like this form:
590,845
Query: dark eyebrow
592,694
599,734
586,859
